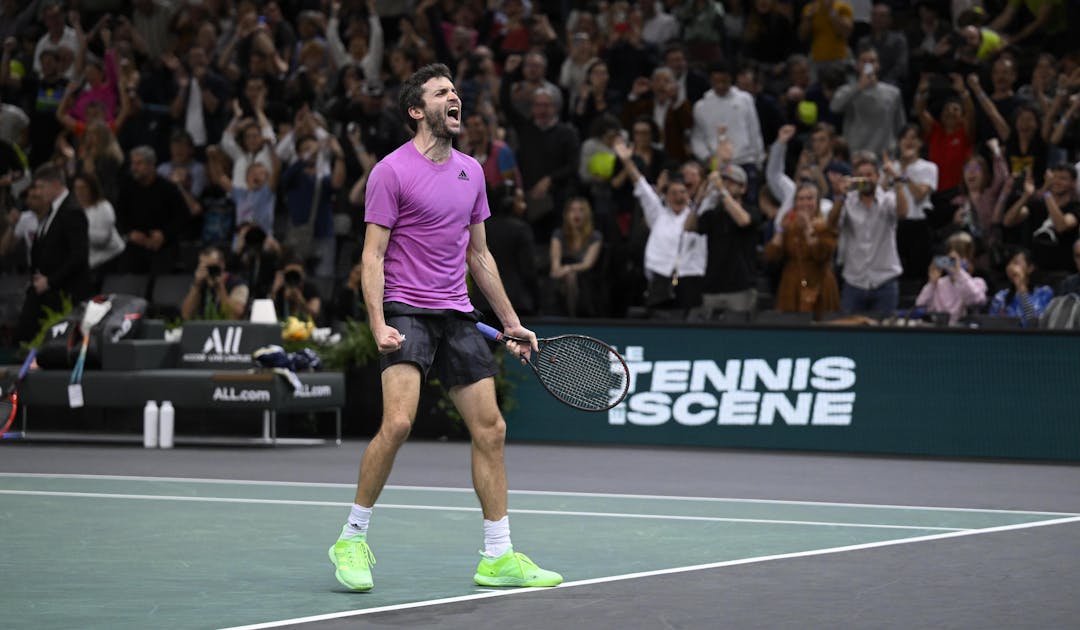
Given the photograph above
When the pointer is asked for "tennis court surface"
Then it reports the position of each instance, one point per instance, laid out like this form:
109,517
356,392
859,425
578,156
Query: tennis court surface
120,537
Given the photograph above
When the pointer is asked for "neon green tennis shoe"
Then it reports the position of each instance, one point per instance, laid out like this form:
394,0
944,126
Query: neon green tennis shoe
514,569
353,559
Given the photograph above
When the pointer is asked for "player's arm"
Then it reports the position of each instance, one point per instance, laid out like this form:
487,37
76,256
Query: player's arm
486,275
373,282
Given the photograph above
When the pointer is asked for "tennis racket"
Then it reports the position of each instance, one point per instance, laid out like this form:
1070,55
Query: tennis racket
9,398
579,371
94,313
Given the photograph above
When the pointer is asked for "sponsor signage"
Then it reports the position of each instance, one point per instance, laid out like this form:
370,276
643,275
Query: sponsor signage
224,344
241,395
955,393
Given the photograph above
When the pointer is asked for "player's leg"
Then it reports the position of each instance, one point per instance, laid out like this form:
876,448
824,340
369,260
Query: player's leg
401,377
487,429
465,364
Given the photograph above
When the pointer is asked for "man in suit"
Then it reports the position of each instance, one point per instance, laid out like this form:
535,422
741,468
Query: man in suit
59,257
658,99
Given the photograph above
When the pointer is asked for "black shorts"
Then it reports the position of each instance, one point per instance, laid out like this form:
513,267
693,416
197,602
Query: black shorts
444,339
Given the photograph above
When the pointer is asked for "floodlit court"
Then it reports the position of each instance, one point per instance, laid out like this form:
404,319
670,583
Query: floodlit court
118,537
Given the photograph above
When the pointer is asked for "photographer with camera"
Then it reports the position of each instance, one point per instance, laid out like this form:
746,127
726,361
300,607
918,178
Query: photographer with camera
214,293
293,295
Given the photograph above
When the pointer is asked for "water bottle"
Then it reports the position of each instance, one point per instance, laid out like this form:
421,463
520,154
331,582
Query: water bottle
150,425
168,418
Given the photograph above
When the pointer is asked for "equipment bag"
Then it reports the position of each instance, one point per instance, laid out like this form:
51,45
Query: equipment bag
60,349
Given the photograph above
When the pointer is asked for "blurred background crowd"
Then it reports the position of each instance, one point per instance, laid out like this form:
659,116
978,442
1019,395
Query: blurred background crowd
675,158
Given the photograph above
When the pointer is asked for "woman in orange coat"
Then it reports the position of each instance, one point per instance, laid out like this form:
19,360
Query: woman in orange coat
806,246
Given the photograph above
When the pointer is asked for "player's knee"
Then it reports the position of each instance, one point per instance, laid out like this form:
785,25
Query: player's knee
396,430
490,434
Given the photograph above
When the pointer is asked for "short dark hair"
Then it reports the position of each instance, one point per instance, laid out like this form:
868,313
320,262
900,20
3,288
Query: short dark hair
412,90
50,173
92,185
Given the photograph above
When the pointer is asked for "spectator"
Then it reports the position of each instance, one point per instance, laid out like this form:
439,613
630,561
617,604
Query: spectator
827,24
729,107
17,237
533,77
783,188
594,98
58,35
100,156
675,120
1048,17
548,152
198,107
59,258
1052,219
1021,300
574,70
658,27
866,221
246,141
182,156
951,139
214,293
365,41
151,19
596,168
293,295
805,246
702,24
690,83
952,288
873,111
574,252
913,238
219,210
1002,99
494,155
979,203
1071,284
674,258
649,155
308,191
510,239
769,36
769,113
151,215
47,88
105,243
730,226
254,201
891,46
628,55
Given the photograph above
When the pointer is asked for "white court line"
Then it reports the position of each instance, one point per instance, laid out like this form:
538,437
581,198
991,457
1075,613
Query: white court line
631,576
442,508
596,495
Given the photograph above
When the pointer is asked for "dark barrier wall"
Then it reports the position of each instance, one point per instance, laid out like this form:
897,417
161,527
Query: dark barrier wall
949,393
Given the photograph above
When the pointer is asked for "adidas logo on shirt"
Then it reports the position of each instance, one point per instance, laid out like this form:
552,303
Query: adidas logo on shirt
463,175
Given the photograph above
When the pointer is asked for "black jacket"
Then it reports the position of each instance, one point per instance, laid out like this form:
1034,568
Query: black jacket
62,253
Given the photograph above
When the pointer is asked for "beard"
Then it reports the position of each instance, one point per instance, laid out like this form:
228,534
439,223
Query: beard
436,121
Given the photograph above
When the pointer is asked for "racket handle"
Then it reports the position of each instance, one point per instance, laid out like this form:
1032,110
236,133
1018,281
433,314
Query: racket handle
27,363
489,332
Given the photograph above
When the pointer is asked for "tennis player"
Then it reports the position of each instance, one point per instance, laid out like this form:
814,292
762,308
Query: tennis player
425,210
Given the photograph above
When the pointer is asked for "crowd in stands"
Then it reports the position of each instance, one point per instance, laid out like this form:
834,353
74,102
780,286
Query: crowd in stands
651,156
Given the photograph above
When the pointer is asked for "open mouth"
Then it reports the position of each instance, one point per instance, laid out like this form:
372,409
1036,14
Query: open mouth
454,112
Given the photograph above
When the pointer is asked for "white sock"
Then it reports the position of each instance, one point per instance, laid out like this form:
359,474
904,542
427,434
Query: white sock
357,525
496,537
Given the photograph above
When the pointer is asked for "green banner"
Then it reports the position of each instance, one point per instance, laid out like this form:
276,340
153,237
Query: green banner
948,393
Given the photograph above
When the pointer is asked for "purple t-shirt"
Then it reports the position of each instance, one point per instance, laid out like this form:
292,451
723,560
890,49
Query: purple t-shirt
428,208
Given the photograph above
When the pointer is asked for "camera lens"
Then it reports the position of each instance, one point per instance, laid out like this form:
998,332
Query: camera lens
293,278
213,271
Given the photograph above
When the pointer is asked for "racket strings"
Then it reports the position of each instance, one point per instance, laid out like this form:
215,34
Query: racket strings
584,373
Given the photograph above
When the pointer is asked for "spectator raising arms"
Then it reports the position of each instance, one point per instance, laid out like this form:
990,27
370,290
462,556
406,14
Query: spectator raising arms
805,247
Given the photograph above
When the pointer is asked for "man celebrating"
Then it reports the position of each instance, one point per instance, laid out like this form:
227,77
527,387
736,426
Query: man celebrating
425,208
